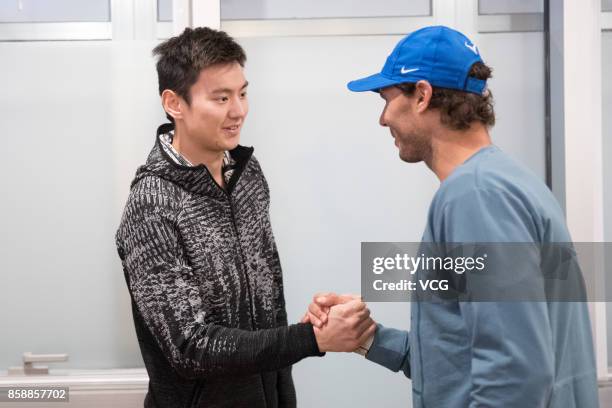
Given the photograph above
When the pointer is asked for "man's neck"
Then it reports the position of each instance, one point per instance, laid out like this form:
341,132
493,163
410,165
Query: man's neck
213,160
450,149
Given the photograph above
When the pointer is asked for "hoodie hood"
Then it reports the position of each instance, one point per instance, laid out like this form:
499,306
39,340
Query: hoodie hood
196,179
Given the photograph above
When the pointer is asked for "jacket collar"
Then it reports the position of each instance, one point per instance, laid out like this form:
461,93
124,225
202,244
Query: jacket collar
196,179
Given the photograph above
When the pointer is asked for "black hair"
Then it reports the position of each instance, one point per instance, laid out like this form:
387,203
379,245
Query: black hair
182,58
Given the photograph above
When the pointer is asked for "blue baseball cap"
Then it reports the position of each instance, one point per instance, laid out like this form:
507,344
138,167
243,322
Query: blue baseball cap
440,55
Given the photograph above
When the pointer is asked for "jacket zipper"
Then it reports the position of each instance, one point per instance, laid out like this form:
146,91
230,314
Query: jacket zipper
199,384
231,184
228,192
243,263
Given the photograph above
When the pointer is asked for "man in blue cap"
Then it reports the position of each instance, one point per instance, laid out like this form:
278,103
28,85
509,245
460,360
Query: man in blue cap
473,354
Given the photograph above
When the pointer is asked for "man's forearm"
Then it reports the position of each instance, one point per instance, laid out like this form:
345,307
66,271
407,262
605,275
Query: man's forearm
216,350
391,349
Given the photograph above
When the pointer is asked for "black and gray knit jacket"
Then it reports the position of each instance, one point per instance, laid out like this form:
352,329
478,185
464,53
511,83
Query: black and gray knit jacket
205,278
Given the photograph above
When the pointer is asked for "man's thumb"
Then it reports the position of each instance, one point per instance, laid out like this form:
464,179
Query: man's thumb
328,300
348,297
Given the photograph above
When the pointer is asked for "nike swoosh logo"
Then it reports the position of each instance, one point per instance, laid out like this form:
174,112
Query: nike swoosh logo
403,70
472,47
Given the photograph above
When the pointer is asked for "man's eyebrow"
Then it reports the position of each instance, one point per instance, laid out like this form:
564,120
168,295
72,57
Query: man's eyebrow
227,90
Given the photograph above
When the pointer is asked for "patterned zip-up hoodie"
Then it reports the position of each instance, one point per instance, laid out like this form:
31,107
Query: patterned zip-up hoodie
205,279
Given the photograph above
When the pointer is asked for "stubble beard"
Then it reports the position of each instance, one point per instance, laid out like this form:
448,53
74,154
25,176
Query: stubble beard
419,150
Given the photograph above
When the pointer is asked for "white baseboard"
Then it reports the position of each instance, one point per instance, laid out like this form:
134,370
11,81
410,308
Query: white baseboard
117,388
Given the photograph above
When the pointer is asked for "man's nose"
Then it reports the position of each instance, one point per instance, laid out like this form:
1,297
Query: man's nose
237,109
382,121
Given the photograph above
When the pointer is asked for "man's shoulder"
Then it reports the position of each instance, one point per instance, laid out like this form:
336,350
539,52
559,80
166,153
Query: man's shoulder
152,194
254,167
500,188
253,176
151,199
496,174
152,185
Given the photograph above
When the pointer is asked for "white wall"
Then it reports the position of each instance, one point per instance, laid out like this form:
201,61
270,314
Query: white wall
79,117
606,62
59,291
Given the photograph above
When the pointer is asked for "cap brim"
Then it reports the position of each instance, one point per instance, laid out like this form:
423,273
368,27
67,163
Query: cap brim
371,83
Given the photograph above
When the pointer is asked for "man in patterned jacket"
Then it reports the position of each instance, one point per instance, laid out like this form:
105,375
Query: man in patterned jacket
197,248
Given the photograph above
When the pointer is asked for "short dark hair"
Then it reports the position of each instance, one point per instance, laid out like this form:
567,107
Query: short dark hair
459,109
181,58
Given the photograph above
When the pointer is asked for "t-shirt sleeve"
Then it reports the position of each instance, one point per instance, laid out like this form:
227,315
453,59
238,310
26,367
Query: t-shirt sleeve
391,349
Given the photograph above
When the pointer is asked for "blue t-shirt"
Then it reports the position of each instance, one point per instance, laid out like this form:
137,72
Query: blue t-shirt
494,354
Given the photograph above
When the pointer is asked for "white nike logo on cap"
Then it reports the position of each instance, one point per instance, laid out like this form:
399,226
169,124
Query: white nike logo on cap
403,70
472,47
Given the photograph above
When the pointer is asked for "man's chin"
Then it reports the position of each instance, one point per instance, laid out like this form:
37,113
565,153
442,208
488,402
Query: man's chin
410,157
232,143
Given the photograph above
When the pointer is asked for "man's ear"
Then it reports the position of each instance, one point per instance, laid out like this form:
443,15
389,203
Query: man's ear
423,93
172,103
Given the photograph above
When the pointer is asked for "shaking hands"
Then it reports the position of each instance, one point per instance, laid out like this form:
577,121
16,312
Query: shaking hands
340,322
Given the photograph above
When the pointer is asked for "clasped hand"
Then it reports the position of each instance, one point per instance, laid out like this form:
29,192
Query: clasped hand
340,322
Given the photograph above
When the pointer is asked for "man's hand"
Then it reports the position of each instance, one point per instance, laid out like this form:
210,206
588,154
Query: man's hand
321,304
348,325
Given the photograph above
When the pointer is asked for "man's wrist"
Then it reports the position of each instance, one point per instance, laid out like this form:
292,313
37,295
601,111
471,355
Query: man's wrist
365,347
309,328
